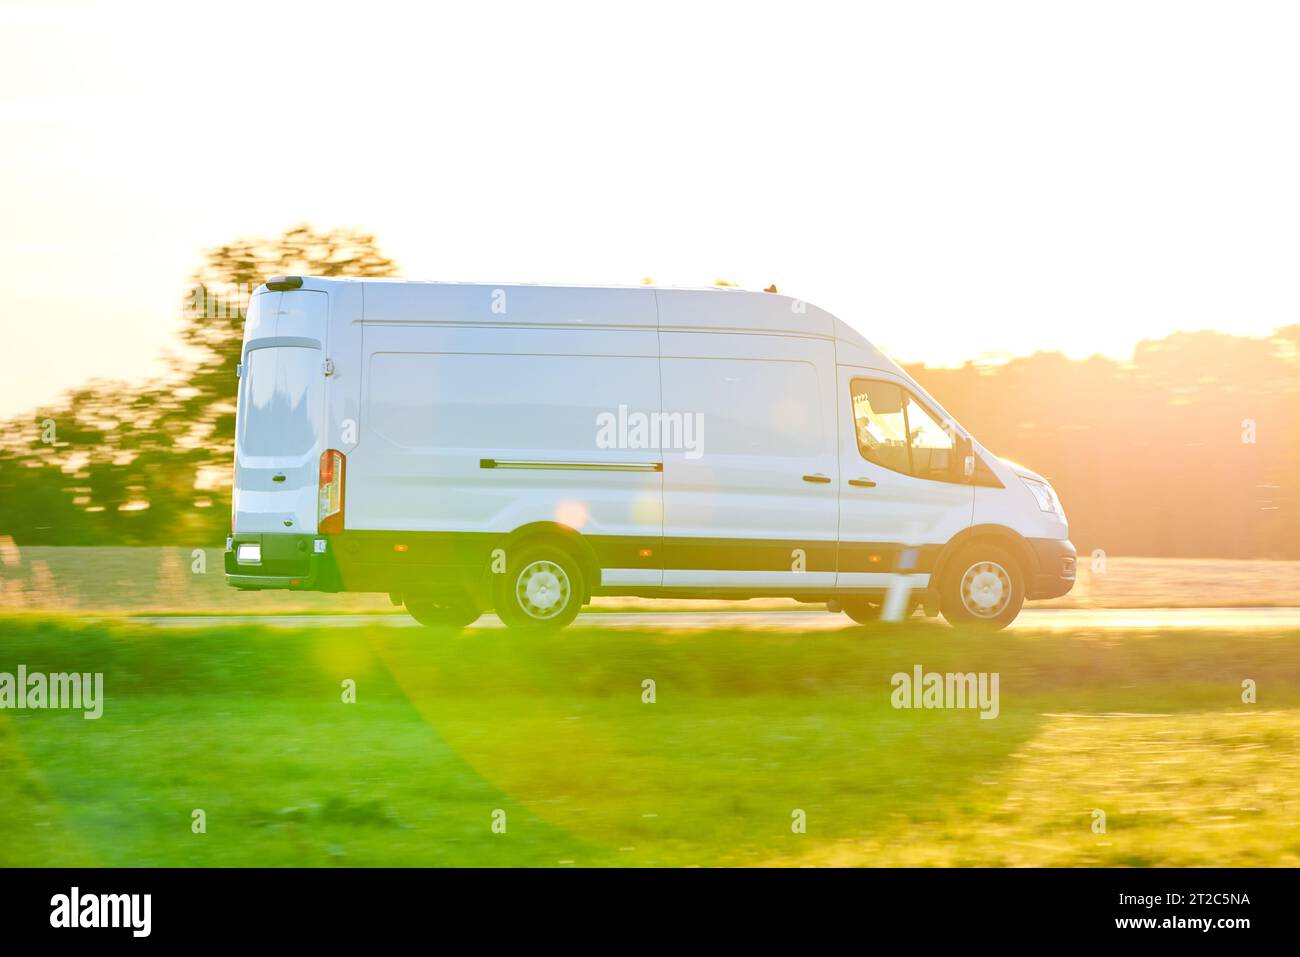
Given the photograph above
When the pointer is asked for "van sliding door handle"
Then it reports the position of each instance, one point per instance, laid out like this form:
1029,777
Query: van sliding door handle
818,478
862,483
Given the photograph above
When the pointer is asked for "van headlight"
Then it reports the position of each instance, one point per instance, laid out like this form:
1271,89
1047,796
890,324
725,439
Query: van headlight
1044,495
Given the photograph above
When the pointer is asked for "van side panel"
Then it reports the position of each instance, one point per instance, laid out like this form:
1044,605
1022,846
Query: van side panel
484,304
474,429
754,504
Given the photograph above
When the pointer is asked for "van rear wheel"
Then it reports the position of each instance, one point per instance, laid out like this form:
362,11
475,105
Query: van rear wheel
445,613
860,610
542,589
868,611
984,586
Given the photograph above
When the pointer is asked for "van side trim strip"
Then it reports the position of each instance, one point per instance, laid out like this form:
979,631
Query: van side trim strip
573,466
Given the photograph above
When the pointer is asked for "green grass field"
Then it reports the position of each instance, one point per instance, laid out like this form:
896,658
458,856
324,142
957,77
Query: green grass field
248,725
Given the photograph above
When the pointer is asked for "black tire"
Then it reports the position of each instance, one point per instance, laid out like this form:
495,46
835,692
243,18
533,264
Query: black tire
861,610
983,585
868,611
443,613
541,590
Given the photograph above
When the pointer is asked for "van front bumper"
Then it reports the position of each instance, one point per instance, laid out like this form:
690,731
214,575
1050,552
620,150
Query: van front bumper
1055,573
298,562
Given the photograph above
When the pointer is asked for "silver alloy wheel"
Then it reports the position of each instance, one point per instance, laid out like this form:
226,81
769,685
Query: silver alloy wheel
542,589
986,589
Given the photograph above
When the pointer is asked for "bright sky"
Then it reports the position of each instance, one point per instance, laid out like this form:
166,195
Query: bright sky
953,179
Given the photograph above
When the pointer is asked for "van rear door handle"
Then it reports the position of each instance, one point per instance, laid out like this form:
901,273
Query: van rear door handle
862,483
818,478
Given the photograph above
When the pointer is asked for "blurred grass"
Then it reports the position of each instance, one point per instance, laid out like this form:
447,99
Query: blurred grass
247,724
131,580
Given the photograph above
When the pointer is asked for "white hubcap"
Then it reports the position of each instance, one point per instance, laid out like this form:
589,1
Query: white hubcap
542,589
986,589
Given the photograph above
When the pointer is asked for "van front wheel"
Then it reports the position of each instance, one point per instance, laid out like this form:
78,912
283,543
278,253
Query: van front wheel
982,585
541,590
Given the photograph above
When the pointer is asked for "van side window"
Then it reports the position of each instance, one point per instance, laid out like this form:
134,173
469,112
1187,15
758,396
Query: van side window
932,444
880,424
897,432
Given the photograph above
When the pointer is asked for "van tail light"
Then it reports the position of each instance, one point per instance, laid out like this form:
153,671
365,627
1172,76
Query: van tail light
329,511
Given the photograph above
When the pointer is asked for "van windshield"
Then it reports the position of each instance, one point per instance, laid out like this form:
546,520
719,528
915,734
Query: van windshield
280,409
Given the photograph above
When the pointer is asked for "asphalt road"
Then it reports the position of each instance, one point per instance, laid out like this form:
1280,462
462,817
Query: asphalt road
1054,619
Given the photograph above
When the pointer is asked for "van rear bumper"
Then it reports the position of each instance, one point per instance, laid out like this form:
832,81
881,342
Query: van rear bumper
1055,573
297,562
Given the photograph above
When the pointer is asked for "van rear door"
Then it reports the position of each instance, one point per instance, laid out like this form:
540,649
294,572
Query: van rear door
279,430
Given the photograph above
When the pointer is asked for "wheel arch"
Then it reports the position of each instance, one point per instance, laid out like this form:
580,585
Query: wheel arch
568,538
1008,538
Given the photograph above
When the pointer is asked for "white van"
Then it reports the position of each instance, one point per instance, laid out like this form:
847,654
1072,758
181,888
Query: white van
522,448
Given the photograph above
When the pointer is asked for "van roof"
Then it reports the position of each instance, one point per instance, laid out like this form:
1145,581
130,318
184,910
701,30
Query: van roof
704,308
398,280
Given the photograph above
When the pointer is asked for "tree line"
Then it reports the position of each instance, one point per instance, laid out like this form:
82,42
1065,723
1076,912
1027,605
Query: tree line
1190,449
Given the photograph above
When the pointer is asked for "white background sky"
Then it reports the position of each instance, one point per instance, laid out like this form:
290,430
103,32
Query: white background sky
953,179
